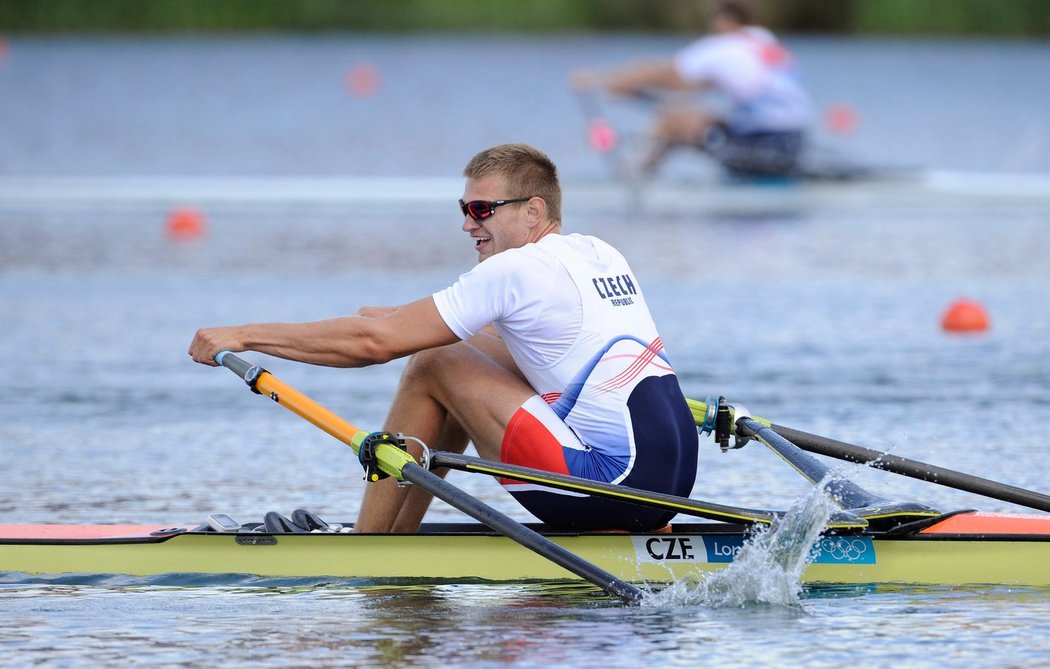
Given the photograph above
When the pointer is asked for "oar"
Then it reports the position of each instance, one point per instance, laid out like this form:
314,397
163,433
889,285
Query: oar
846,493
683,505
393,461
899,465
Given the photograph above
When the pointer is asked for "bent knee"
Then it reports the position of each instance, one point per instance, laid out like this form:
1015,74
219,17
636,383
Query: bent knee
431,361
683,123
460,373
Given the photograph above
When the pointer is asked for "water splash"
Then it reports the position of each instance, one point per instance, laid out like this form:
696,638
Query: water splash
768,569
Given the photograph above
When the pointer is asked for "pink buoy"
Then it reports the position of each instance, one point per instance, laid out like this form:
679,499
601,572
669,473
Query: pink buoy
601,136
363,81
841,118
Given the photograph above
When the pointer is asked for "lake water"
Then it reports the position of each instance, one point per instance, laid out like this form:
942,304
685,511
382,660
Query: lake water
826,320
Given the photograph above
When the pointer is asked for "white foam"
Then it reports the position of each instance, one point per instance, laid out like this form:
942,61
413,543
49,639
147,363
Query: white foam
767,570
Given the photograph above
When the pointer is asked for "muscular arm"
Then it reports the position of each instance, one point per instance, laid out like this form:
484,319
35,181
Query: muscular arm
374,335
640,76
634,79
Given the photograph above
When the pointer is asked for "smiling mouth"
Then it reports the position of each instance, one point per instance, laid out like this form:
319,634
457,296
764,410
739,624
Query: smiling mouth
478,241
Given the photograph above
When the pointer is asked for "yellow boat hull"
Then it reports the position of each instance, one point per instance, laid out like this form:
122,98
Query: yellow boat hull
466,552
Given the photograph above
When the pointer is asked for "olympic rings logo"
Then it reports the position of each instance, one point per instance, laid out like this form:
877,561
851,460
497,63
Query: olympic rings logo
843,549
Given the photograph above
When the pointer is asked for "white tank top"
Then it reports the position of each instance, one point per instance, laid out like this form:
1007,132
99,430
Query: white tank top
756,72
573,317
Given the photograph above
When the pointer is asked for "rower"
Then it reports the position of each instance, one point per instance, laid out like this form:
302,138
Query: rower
544,355
760,132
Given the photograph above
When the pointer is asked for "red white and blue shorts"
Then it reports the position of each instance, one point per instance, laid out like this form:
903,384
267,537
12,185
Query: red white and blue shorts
536,437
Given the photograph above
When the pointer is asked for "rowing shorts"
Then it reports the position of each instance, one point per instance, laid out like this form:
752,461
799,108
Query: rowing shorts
754,153
536,437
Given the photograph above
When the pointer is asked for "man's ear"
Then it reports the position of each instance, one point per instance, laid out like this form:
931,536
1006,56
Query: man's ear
536,211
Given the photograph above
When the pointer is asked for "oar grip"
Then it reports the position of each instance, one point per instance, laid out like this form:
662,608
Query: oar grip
241,367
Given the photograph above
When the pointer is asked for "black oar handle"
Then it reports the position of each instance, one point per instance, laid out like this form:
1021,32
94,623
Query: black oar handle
514,530
241,367
915,469
238,366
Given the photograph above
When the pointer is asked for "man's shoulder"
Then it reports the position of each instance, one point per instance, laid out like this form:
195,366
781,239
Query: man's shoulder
516,260
549,251
760,33
578,242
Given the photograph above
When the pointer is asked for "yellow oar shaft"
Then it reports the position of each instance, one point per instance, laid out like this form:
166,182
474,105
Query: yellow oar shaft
390,459
306,408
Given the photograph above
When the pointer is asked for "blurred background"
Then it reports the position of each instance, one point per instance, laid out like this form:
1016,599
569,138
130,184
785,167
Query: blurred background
403,87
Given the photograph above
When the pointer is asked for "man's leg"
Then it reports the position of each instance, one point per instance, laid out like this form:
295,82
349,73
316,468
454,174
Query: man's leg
446,396
675,126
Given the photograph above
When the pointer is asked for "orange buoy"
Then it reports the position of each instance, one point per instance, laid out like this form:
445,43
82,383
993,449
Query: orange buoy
964,315
841,118
601,136
363,81
184,224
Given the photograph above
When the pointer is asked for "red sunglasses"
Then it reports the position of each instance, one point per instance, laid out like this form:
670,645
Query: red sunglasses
481,209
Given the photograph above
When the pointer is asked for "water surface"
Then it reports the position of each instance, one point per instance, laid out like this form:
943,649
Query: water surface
826,320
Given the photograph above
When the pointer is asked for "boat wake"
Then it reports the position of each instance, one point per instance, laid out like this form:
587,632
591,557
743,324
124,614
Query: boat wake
767,570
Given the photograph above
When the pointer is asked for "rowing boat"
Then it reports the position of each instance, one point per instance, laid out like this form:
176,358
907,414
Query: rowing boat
871,540
954,549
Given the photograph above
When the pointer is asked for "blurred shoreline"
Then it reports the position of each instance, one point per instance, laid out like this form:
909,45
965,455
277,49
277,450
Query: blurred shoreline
1007,18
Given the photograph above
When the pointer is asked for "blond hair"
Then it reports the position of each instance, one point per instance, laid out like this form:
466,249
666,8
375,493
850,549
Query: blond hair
526,171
